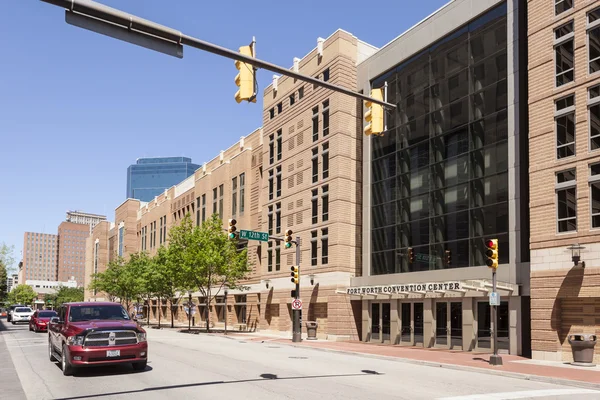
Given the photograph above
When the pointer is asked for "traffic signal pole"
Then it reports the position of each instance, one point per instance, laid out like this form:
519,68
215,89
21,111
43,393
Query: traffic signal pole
495,359
127,27
296,323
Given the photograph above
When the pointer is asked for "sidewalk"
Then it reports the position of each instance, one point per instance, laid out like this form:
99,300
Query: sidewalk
514,366
11,385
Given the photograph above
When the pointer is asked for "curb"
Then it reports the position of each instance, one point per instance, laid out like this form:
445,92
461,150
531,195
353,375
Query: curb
516,375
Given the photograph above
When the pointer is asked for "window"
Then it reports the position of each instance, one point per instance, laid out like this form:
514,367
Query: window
278,218
292,99
270,257
315,164
279,108
313,248
271,149
271,184
595,194
324,246
315,124
198,211
325,202
242,190
272,113
325,118
301,93
564,37
160,231
270,217
121,231
214,201
165,229
326,75
325,156
279,144
315,206
234,196
594,40
594,116
203,207
221,201
277,258
561,6
278,177
566,201
565,126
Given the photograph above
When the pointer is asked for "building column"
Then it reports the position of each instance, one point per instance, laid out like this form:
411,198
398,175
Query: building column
515,335
394,322
366,325
428,323
468,324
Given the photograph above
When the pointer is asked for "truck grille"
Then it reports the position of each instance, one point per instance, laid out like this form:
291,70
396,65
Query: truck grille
110,338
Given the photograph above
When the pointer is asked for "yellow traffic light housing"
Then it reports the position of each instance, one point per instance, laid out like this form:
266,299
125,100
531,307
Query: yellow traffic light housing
491,253
232,228
246,77
411,255
295,274
374,114
288,238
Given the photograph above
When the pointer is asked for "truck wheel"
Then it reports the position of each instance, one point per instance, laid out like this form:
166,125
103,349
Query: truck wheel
50,355
67,368
139,366
13,322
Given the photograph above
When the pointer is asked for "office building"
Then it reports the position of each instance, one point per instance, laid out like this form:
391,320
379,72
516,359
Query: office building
564,126
80,217
40,257
71,250
149,177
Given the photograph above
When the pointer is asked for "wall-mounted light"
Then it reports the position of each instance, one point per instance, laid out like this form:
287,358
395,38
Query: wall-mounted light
312,279
576,254
267,283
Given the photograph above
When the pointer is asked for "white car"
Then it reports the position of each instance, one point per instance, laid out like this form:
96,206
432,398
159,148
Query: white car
21,314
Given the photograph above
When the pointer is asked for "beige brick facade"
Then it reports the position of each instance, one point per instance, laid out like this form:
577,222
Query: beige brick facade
565,299
71,251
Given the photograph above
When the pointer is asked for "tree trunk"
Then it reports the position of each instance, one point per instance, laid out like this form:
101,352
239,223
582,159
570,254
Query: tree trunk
208,310
172,316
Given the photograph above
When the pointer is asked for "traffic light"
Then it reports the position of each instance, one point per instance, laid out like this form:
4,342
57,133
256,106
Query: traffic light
411,255
491,253
232,228
295,274
374,114
246,77
288,238
448,257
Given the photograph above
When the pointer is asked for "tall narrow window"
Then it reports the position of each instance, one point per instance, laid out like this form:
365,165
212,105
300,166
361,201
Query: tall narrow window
234,196
160,232
270,219
272,113
292,99
593,31
277,258
565,126
594,116
198,211
315,164
301,93
154,239
315,124
325,202
165,229
221,190
121,231
279,108
325,118
561,6
564,38
315,206
270,257
278,177
326,75
313,248
203,207
278,218
566,199
271,184
595,194
325,156
279,144
324,245
242,190
214,201
271,149
143,238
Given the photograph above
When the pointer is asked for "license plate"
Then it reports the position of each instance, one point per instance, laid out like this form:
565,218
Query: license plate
113,353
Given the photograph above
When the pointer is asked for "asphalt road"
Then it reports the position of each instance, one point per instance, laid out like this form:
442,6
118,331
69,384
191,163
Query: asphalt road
211,367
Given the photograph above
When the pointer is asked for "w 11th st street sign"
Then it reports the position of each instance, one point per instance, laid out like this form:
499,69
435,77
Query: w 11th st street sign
252,235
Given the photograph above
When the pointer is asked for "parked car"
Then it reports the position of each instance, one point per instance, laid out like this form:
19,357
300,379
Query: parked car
40,319
10,310
21,314
95,333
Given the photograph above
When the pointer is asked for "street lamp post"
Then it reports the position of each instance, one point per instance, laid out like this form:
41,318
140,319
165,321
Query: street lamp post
226,292
190,311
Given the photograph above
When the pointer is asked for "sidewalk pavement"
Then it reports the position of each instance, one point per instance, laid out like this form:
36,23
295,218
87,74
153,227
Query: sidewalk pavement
11,385
513,366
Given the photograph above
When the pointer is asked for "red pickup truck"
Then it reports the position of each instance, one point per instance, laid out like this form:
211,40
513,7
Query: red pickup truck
93,334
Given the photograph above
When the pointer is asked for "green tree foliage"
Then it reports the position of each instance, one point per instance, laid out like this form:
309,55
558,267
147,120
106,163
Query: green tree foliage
3,281
6,262
207,259
67,295
22,294
166,280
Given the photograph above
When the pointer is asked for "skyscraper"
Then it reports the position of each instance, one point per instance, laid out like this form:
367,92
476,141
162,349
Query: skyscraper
149,177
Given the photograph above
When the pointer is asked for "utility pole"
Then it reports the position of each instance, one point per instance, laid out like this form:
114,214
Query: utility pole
297,323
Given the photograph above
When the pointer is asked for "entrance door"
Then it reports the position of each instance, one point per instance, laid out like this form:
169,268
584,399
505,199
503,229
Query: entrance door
418,324
441,324
456,325
381,322
375,323
386,313
406,329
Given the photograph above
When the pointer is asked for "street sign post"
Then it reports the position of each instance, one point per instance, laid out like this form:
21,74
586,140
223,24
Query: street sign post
297,304
252,235
494,299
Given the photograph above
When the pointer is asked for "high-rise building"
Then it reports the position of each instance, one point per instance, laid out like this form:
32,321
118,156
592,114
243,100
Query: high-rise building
149,177
71,251
40,257
80,217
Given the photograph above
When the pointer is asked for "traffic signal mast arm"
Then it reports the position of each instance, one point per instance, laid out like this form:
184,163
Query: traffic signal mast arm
154,31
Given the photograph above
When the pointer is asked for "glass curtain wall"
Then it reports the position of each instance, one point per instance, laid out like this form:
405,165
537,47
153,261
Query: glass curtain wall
439,174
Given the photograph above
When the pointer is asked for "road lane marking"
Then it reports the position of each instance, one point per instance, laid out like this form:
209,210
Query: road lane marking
527,394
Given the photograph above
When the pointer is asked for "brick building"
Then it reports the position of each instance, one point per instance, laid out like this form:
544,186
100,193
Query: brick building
71,251
564,125
40,257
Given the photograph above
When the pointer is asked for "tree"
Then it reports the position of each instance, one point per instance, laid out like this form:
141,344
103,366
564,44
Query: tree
3,281
6,262
22,294
207,258
108,281
67,295
166,280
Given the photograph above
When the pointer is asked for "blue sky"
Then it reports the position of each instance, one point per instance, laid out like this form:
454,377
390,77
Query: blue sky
76,108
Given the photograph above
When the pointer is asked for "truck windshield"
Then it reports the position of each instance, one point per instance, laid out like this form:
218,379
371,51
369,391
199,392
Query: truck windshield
22,309
89,313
